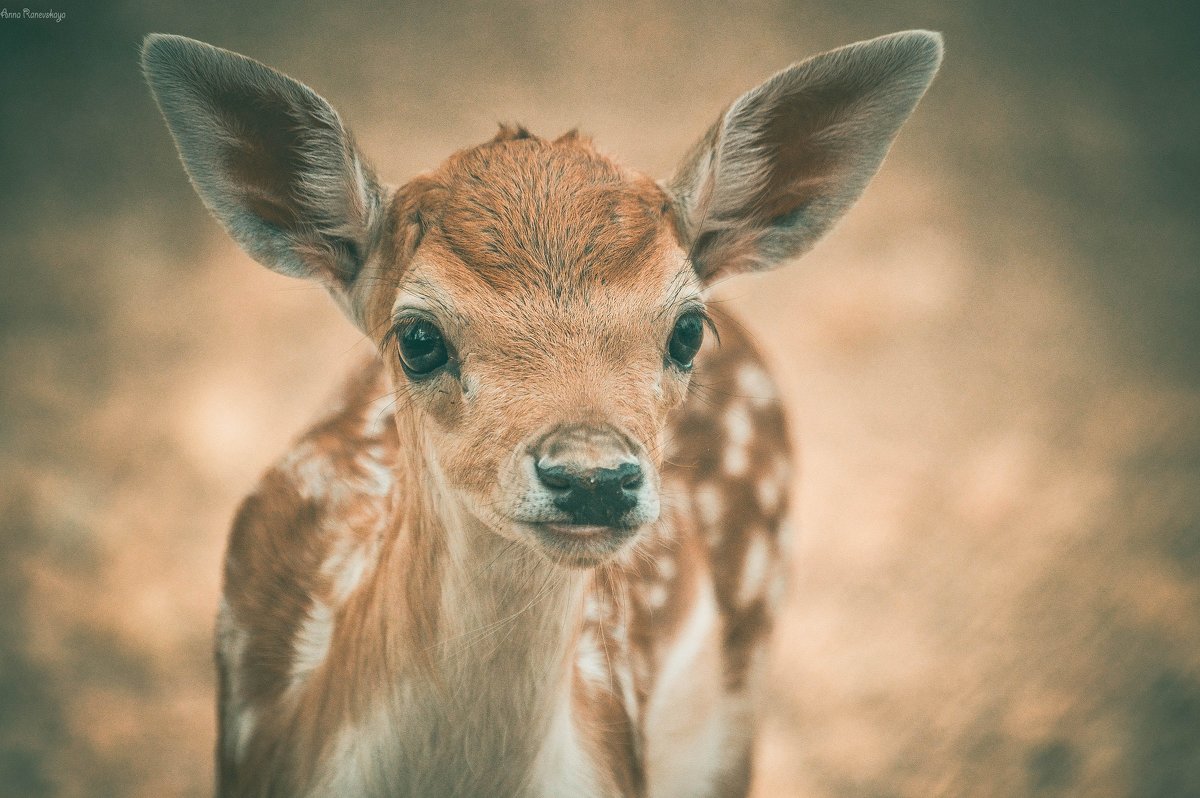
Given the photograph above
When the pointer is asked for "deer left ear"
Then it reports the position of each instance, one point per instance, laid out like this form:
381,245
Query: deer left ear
269,157
790,156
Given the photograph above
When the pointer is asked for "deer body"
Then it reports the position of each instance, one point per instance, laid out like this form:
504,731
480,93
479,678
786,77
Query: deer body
536,548
548,683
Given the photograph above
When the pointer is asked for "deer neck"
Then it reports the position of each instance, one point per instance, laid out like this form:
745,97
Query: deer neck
492,628
501,608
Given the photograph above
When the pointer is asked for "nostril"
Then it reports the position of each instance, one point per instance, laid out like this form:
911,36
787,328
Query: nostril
554,477
630,476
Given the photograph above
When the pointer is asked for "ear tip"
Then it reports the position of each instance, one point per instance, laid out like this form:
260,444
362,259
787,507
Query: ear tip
159,45
161,50
151,51
924,45
166,52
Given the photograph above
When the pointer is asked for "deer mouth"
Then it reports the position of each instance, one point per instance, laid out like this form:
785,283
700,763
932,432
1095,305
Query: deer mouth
582,545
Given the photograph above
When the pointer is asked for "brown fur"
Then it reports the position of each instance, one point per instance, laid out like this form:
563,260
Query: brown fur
269,581
419,600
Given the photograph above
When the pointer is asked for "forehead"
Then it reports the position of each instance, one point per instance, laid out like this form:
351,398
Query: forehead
524,215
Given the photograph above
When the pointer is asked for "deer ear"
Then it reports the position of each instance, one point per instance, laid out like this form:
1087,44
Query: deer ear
269,157
791,155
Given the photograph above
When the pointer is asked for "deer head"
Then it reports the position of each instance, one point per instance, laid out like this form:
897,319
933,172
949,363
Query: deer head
539,307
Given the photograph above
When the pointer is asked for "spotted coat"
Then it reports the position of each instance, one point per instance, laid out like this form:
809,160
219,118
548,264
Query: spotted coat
684,617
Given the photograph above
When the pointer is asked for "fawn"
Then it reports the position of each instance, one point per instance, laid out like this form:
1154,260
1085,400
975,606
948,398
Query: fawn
536,548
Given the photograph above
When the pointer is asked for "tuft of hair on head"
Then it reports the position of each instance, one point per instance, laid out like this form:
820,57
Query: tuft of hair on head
512,132
573,136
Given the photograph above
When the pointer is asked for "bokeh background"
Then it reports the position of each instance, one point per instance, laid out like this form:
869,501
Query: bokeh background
992,364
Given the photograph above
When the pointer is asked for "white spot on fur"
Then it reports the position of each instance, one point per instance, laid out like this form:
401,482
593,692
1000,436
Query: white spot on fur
591,608
239,717
692,637
311,644
352,573
755,385
598,608
656,596
590,659
243,732
736,461
348,565
738,431
379,477
666,567
772,486
709,505
769,492
308,466
617,633
754,569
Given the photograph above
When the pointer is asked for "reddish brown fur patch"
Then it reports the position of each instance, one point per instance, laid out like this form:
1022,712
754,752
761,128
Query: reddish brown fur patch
522,210
280,540
273,557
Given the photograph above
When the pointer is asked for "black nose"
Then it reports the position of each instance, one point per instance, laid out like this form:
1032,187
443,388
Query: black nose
592,495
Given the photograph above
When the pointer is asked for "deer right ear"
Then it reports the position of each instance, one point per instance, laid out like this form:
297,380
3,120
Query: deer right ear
269,157
790,156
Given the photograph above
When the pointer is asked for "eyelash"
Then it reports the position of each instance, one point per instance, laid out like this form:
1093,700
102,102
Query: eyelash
389,345
710,323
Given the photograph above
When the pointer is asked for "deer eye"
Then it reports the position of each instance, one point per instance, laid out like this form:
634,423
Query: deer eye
422,348
686,339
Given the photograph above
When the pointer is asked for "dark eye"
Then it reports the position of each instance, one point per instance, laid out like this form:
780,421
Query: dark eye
686,339
422,348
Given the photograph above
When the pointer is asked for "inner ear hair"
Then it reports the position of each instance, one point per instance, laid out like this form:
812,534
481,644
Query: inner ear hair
790,156
269,157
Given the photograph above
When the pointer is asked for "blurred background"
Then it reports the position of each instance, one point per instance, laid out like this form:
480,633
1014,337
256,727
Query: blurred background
992,364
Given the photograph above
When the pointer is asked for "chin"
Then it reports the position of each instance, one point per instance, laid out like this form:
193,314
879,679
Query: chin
580,546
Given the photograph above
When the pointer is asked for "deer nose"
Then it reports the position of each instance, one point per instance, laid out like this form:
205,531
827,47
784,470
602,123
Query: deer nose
590,474
594,496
